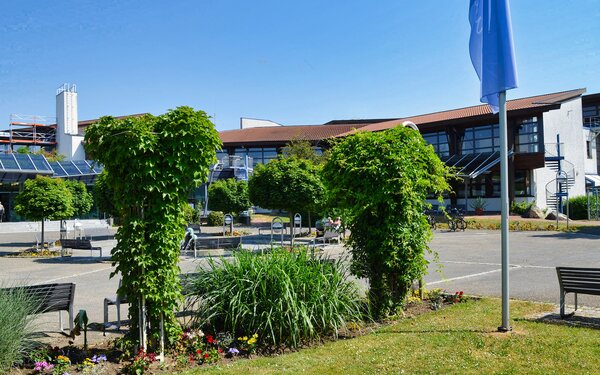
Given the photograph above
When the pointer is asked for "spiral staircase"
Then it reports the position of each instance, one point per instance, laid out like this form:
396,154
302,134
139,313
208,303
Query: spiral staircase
557,190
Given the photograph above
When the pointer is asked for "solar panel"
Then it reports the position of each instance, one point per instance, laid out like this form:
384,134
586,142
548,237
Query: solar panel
9,162
24,161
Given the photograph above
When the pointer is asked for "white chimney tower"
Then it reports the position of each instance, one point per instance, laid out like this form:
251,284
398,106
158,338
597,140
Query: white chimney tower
69,142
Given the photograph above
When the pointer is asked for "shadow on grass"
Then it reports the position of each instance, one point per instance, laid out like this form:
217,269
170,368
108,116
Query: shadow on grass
413,331
570,320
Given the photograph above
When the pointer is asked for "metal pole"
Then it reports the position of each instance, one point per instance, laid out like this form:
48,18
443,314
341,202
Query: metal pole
505,327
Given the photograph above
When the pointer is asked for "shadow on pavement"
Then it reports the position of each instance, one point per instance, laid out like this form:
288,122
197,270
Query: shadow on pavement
70,260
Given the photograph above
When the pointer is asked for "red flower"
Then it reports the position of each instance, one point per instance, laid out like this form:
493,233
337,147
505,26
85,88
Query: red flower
209,339
205,355
191,358
198,351
220,350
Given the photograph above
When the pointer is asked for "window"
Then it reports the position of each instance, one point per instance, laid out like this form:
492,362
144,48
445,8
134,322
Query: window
221,154
527,137
485,186
439,141
588,147
523,183
481,139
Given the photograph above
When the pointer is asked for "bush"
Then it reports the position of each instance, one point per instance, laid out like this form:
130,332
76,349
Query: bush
288,298
188,213
520,208
578,207
15,327
215,218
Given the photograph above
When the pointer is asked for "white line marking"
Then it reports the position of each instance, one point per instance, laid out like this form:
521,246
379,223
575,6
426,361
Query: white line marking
468,276
74,275
498,264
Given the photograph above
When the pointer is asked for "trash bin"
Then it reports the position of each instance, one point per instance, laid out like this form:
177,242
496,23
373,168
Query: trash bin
245,218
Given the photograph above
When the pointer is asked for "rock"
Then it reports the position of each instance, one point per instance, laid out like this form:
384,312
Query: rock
534,212
552,216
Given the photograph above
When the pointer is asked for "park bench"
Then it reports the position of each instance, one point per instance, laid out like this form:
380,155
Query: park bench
51,298
277,229
577,280
80,244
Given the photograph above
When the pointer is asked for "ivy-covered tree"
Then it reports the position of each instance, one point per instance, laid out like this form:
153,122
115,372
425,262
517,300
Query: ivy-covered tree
152,164
382,180
82,199
104,195
289,184
44,198
229,196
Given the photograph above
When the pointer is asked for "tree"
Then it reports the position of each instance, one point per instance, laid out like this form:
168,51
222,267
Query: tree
152,164
382,180
229,196
302,149
289,184
104,195
82,199
44,198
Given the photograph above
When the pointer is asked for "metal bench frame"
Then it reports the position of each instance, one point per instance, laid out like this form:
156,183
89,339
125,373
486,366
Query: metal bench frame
577,280
53,297
80,244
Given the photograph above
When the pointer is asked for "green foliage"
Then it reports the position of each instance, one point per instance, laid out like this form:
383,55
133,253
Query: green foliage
152,164
49,155
382,180
188,213
302,149
16,306
520,208
578,207
289,184
288,298
104,195
230,196
215,218
82,199
478,204
44,198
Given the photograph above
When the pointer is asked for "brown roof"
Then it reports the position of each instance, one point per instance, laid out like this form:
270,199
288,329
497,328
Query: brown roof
532,102
286,133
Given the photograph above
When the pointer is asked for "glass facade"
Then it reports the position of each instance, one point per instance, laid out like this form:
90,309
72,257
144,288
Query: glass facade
259,155
481,139
527,138
591,110
439,141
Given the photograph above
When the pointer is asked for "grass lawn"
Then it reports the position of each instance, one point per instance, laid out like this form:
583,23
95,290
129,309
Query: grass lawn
518,223
456,340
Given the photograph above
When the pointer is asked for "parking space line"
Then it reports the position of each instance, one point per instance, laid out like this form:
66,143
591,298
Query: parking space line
469,276
498,264
74,275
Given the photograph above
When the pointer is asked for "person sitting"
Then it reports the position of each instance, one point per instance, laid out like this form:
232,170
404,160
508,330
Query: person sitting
337,223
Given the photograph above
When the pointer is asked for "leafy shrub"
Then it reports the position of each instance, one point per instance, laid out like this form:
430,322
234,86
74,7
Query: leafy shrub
288,298
15,326
578,207
229,196
520,208
215,218
188,213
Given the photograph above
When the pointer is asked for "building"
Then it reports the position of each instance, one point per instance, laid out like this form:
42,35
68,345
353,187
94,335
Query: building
547,134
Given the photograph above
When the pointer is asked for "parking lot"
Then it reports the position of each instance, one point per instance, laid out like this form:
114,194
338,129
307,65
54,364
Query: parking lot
468,261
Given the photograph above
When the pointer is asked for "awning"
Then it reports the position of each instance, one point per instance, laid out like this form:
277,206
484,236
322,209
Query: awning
80,170
473,165
592,179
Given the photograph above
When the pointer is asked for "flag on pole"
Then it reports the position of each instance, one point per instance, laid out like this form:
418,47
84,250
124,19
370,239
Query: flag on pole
491,49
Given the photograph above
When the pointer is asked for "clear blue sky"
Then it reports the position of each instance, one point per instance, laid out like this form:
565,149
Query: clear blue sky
301,62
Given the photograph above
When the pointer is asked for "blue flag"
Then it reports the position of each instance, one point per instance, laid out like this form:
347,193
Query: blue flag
491,48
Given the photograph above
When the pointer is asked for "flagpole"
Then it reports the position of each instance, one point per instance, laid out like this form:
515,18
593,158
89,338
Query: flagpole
505,327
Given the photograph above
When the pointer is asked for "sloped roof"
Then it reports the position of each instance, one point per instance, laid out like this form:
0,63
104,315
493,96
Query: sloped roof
539,101
286,133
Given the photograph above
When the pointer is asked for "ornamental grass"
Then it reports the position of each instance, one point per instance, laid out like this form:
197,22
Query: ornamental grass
16,329
288,298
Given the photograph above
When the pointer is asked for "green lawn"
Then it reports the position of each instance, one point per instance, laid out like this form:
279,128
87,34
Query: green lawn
456,340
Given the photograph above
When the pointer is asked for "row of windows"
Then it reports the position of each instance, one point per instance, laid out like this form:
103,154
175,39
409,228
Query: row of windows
259,155
591,110
484,139
488,185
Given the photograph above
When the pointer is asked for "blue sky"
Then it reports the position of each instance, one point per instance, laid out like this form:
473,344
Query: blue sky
301,62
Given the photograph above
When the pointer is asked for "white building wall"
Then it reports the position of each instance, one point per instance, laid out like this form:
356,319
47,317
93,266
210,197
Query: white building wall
567,122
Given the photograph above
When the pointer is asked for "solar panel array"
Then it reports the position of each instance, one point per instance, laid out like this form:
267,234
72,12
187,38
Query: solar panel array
19,167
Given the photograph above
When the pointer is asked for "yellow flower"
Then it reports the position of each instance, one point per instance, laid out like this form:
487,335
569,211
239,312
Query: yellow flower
245,338
255,335
252,341
239,339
